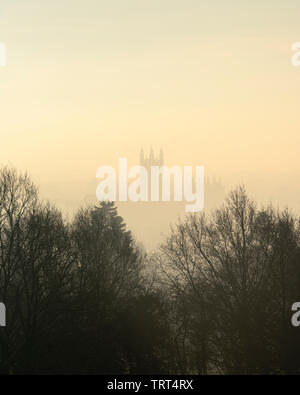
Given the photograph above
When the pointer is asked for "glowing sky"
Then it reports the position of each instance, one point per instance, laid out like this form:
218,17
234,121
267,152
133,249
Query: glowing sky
89,81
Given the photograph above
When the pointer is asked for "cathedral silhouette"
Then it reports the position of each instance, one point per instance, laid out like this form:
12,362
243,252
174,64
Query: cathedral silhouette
151,160
150,221
214,190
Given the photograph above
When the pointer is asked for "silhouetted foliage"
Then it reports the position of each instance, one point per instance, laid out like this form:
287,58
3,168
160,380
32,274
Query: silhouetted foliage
233,278
82,298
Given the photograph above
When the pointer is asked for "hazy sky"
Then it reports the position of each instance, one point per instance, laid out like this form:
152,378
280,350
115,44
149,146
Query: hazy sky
88,81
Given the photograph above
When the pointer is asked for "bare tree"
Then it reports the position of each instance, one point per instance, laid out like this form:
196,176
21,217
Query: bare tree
224,270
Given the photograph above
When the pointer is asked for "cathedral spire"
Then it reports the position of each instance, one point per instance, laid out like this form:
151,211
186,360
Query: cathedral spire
142,157
151,155
161,156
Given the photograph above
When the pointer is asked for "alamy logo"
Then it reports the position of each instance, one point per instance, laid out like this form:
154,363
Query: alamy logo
2,314
296,55
2,55
296,315
152,183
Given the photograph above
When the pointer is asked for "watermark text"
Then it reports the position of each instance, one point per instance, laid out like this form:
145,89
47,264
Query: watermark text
2,55
157,183
2,314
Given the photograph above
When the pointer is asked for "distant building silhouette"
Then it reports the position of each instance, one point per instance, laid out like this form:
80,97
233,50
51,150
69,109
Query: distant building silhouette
213,189
151,160
150,221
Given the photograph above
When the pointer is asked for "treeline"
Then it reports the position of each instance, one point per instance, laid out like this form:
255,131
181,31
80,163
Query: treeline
82,298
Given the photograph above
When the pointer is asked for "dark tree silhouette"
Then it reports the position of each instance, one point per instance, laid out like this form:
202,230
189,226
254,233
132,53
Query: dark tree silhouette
82,298
233,278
